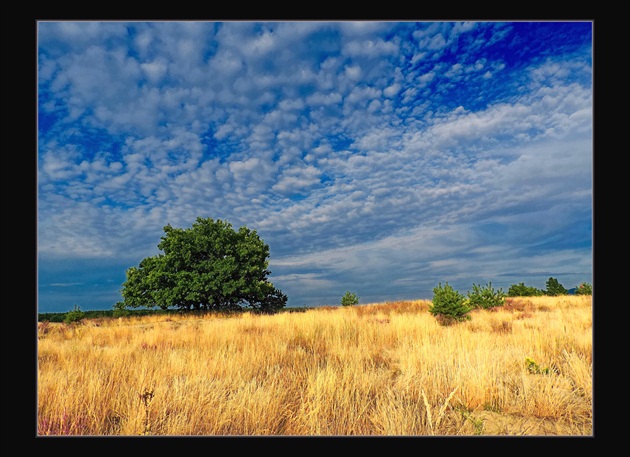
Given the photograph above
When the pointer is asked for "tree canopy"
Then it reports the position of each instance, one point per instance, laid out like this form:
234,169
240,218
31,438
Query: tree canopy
208,266
521,290
553,288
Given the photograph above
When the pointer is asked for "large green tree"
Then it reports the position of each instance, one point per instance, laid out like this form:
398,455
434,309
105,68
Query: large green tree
207,266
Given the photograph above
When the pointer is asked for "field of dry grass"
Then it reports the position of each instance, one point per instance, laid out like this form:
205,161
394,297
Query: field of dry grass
379,369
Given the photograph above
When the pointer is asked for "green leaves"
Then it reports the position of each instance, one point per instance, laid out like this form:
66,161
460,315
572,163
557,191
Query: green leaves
449,305
209,265
584,289
521,290
349,299
555,288
485,297
74,316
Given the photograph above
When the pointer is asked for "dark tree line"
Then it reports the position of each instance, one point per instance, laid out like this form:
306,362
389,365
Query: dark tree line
552,288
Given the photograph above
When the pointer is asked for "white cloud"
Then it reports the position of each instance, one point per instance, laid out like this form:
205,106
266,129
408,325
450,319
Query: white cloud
353,72
362,95
370,48
392,90
324,99
345,144
362,28
296,180
461,27
241,169
79,34
426,78
155,70
59,163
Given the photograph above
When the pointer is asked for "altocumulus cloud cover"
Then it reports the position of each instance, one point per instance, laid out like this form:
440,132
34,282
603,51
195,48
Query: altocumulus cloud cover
375,157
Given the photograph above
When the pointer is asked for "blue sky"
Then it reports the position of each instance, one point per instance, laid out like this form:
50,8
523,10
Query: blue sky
376,157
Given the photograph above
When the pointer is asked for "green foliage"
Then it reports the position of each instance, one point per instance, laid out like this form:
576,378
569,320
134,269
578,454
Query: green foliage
521,290
111,313
349,299
554,288
74,316
449,305
51,317
478,424
120,310
209,266
584,289
534,368
485,297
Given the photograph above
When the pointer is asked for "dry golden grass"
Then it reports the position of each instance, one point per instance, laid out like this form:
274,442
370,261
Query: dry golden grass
380,369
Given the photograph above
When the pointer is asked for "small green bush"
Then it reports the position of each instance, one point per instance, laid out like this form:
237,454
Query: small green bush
449,305
76,315
521,290
554,288
584,289
349,299
534,368
485,297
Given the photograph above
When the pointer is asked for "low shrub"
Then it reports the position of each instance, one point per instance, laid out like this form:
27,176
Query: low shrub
521,290
584,289
74,316
485,297
449,306
349,299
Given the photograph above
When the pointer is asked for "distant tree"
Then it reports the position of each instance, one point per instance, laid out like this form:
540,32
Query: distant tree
74,316
553,288
349,299
209,266
485,297
521,290
584,289
448,305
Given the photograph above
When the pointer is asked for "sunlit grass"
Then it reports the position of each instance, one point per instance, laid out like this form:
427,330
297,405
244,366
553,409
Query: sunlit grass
380,369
